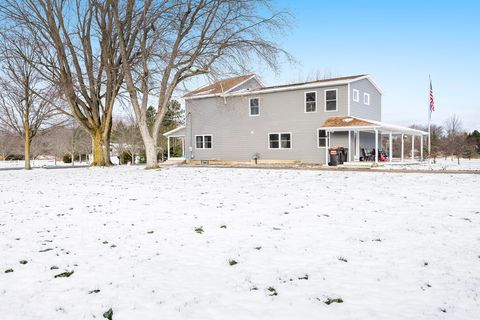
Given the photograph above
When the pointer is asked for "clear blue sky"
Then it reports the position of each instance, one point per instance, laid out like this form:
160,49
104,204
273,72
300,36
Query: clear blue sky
399,43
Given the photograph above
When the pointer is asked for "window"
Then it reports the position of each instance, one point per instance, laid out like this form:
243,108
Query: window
254,107
356,95
311,101
203,142
366,99
331,100
281,140
322,138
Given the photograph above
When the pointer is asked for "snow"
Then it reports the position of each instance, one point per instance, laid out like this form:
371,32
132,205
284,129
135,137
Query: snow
411,244
441,164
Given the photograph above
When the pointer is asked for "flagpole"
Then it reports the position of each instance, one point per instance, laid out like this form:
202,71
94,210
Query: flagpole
429,121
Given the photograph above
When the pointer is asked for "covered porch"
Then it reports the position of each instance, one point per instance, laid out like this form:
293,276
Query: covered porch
374,141
176,144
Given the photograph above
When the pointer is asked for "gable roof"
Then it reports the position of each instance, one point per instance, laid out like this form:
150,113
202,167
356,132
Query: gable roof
220,87
225,87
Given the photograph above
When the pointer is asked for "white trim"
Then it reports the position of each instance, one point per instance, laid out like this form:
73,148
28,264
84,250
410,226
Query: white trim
325,100
250,107
169,133
327,138
366,95
348,99
203,141
305,101
280,140
239,84
358,95
312,85
369,78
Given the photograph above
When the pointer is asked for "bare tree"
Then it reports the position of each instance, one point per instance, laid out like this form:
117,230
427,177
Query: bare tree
126,138
22,109
9,145
71,139
455,137
182,39
78,53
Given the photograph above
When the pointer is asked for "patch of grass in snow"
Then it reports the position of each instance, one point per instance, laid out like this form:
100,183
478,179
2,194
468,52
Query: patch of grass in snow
94,291
232,262
329,301
223,226
108,314
199,230
8,270
150,232
305,277
53,268
23,261
272,291
65,274
343,259
45,250
258,248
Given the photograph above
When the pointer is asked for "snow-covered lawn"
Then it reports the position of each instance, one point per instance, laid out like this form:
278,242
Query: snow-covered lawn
441,164
163,244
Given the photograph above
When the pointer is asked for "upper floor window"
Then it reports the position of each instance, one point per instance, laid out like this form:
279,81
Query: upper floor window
203,142
331,100
311,101
281,140
366,99
254,107
356,95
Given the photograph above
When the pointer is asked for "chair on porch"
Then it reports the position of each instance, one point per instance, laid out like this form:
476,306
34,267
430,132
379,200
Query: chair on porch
366,155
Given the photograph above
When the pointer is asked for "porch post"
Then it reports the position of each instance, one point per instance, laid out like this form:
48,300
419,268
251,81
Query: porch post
168,148
376,146
421,148
327,143
349,145
390,149
403,145
357,144
413,147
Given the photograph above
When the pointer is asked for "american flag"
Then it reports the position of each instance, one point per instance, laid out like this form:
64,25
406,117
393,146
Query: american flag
432,103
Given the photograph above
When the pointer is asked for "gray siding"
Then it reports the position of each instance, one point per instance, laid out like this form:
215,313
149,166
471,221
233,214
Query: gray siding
251,84
359,109
237,136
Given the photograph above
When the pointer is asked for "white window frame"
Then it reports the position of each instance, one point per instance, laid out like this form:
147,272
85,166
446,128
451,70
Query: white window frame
356,93
203,141
325,99
366,98
327,138
305,101
250,107
280,140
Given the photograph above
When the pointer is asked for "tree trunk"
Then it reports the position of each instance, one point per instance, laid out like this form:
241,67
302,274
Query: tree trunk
27,150
151,154
101,150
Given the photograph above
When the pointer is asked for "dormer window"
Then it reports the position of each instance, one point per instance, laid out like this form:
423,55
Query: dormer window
311,101
254,107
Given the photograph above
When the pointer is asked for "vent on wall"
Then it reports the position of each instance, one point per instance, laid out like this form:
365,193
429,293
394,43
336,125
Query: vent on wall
204,162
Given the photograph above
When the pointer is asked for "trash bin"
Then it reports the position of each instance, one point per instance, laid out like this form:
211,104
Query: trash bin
333,153
342,155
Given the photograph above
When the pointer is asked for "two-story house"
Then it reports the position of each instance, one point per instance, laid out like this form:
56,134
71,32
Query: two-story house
239,119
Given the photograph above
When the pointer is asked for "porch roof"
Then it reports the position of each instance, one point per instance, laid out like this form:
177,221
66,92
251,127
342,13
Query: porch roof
177,132
352,123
